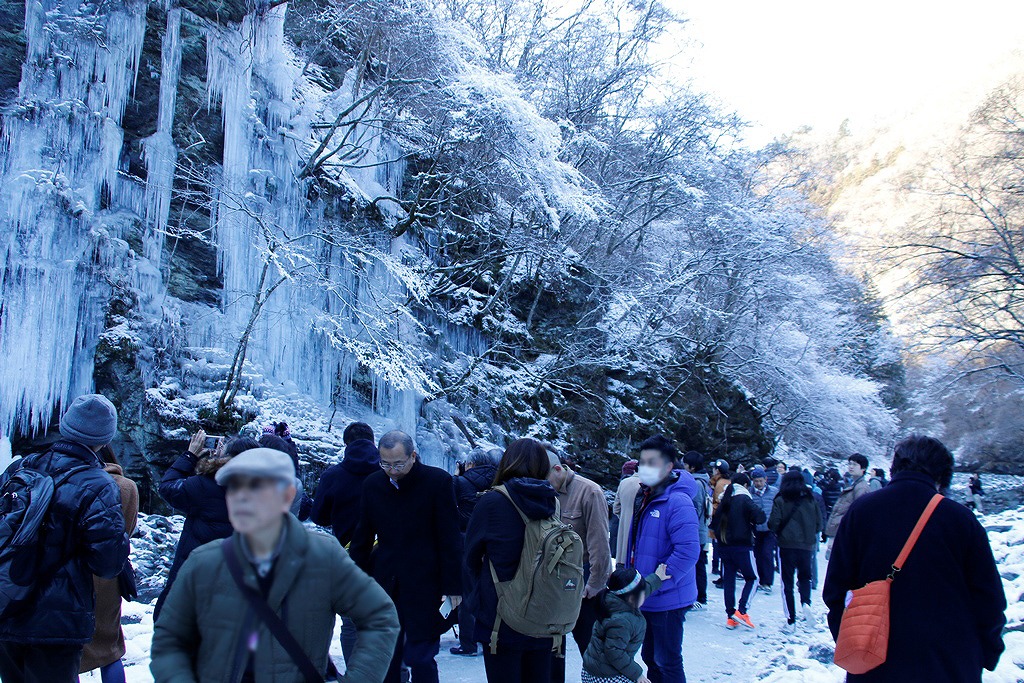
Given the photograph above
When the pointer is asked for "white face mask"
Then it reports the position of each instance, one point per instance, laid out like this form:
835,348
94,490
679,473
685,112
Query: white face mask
649,474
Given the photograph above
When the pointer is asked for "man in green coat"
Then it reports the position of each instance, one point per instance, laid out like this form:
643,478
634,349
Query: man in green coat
209,631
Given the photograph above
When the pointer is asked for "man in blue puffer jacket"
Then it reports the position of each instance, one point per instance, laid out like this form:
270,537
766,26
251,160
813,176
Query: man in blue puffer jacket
83,535
665,530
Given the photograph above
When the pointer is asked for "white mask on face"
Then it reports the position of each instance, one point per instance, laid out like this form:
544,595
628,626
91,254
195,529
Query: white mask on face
649,474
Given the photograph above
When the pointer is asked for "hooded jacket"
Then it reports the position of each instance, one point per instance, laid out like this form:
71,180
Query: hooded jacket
736,528
202,501
664,531
340,491
947,603
203,632
495,535
618,637
84,536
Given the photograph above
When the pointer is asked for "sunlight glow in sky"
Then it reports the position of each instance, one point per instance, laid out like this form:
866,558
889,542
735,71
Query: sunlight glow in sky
790,63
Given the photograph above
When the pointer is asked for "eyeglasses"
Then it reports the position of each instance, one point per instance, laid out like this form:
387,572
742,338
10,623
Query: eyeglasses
254,484
394,467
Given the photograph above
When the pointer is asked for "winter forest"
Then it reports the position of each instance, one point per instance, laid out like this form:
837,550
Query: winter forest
478,220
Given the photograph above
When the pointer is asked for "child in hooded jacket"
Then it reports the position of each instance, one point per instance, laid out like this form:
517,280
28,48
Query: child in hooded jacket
620,628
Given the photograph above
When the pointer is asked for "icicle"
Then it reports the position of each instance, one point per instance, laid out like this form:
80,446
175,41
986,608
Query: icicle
159,152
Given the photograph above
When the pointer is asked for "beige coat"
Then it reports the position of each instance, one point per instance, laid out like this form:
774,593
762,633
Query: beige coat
625,498
585,509
107,645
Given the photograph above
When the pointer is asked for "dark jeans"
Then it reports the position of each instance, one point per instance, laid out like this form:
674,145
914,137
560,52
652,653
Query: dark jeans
716,557
764,554
581,633
736,559
702,576
517,666
467,624
798,561
418,655
662,650
39,663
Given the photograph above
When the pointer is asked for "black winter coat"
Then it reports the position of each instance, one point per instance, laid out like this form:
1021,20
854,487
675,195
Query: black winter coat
495,535
830,492
201,499
419,547
340,491
468,489
743,516
805,522
947,603
83,536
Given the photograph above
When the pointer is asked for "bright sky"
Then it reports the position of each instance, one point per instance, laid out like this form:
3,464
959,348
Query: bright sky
789,63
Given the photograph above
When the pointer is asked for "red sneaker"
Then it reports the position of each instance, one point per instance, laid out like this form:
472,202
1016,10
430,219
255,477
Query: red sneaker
731,623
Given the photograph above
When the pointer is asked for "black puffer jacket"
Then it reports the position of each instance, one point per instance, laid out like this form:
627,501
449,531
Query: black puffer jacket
340,491
468,488
495,534
743,515
85,524
202,501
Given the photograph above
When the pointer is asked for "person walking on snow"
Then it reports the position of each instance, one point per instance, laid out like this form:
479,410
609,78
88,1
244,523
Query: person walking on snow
693,462
734,523
796,521
41,639
856,470
620,628
765,546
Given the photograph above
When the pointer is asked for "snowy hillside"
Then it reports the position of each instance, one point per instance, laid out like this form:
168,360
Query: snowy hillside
712,653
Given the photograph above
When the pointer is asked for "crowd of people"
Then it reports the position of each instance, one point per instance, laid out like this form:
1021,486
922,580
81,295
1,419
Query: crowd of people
517,549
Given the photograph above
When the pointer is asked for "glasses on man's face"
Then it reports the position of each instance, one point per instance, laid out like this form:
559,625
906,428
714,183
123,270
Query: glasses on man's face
393,466
254,484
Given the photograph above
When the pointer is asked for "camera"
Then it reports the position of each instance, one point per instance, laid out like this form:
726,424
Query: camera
212,442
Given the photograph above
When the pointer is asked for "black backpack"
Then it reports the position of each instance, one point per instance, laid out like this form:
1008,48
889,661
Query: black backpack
25,500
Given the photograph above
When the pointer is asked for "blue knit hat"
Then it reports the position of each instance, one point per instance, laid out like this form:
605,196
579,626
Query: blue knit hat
91,421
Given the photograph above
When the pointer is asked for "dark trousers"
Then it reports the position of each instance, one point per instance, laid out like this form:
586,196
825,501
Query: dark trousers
517,666
581,633
348,637
662,650
796,561
716,557
467,624
39,663
418,655
764,554
736,560
702,576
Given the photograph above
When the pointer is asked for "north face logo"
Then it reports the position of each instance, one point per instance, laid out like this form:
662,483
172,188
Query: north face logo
656,513
570,585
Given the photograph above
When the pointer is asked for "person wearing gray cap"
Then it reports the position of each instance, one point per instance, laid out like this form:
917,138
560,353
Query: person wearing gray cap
262,604
41,639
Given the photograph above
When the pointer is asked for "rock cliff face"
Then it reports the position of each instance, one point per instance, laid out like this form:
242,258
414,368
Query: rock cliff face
161,245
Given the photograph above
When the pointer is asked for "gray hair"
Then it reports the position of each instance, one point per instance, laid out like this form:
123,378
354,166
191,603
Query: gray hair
394,438
478,457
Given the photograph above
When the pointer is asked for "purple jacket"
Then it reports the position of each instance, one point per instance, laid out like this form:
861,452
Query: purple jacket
665,531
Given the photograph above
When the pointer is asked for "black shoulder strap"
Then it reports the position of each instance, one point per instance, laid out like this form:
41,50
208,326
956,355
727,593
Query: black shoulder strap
277,627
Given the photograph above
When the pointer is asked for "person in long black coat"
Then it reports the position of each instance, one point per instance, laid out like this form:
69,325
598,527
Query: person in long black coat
189,487
409,508
947,603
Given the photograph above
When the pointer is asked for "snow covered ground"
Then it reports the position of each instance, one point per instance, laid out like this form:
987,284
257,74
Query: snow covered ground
712,653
